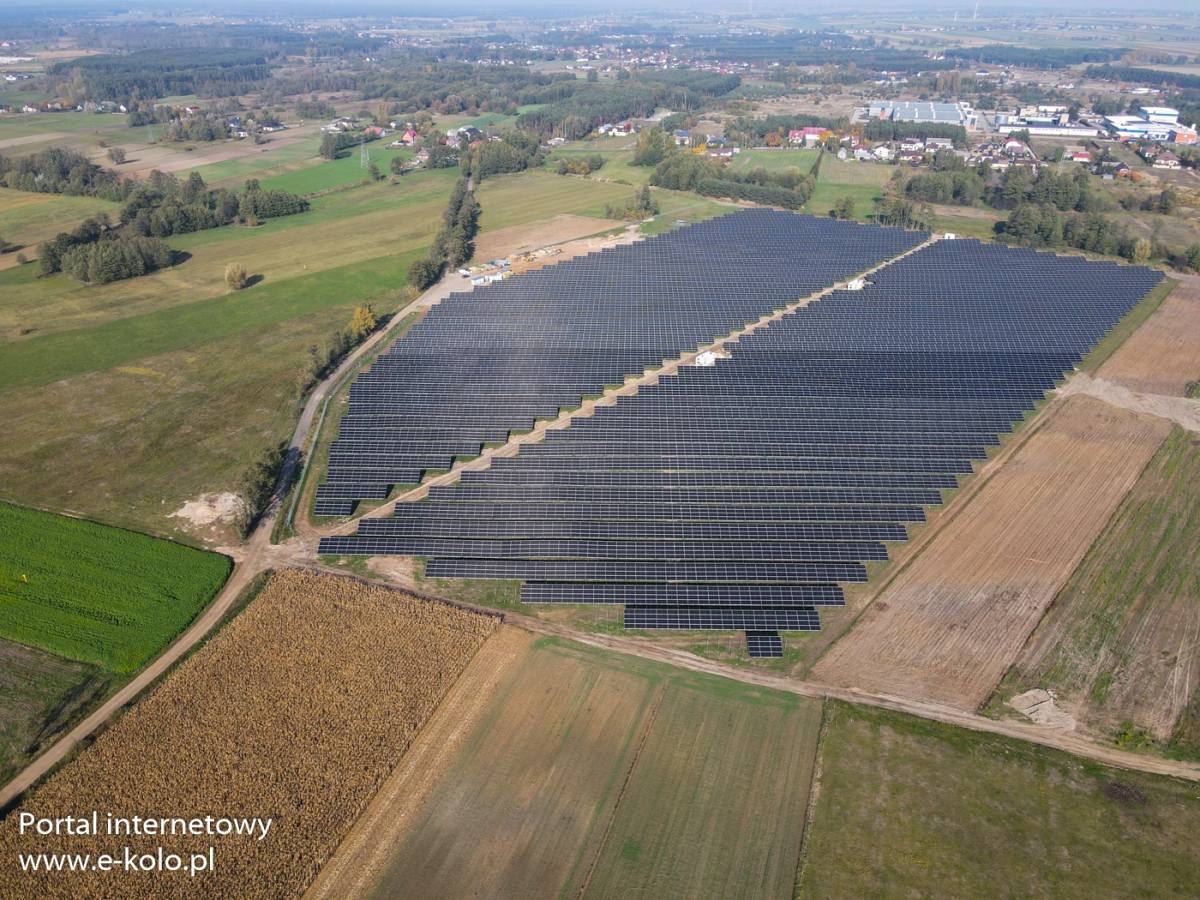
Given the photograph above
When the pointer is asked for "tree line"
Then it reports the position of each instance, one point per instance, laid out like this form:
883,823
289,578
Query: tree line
454,243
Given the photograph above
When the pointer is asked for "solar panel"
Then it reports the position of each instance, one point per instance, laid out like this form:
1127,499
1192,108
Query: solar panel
738,496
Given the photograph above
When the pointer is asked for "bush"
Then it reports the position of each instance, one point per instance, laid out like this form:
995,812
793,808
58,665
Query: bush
235,276
258,484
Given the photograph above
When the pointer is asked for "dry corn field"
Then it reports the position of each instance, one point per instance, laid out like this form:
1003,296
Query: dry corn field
298,711
947,629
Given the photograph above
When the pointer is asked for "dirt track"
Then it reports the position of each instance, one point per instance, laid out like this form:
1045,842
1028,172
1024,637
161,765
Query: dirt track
951,624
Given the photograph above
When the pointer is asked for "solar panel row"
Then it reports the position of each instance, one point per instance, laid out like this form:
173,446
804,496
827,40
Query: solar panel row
739,496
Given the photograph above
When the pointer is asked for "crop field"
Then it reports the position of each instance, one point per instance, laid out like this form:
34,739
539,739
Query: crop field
1122,641
774,160
950,624
532,196
911,808
335,173
98,594
1161,356
562,787
41,696
298,710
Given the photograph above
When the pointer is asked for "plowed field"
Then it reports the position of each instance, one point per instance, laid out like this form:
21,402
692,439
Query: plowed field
951,624
1122,642
1163,356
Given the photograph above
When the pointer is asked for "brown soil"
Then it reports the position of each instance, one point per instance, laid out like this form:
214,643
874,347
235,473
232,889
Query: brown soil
1163,356
523,238
952,623
363,856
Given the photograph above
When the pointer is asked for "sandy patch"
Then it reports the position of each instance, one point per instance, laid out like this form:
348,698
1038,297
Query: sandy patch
504,242
208,509
1162,357
1038,705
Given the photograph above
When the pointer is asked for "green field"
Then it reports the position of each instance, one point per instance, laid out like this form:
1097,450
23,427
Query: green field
598,774
911,808
260,165
27,219
1121,634
45,359
41,696
774,160
826,195
98,594
334,173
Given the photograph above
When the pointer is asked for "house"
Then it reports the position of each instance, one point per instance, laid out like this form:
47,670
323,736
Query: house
373,131
29,108
683,138
1016,147
912,145
864,155
933,145
1166,160
1081,156
912,157
882,152
809,136
339,124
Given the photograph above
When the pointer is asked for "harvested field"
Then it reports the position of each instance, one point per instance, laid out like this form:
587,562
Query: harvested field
523,238
912,808
951,623
363,855
594,774
1162,357
298,711
1121,642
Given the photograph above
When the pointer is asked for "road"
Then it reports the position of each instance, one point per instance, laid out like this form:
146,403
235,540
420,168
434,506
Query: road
259,555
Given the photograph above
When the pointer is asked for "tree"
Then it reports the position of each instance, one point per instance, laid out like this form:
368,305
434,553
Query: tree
331,145
1141,251
1193,256
363,322
397,165
843,208
423,272
593,76
235,276
373,172
116,155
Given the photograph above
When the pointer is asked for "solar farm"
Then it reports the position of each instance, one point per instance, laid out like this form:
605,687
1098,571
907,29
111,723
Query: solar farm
734,497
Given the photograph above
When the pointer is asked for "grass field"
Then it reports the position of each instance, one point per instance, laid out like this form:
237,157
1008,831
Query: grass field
564,787
774,160
1120,642
54,357
334,173
42,695
27,217
911,808
262,165
98,594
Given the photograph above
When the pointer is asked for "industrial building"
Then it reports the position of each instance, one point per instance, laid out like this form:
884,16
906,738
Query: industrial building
926,113
1156,123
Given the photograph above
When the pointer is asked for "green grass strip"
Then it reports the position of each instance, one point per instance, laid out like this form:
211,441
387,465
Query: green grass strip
26,364
96,593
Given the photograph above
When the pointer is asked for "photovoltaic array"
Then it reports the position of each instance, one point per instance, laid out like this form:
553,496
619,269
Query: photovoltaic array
483,364
739,496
